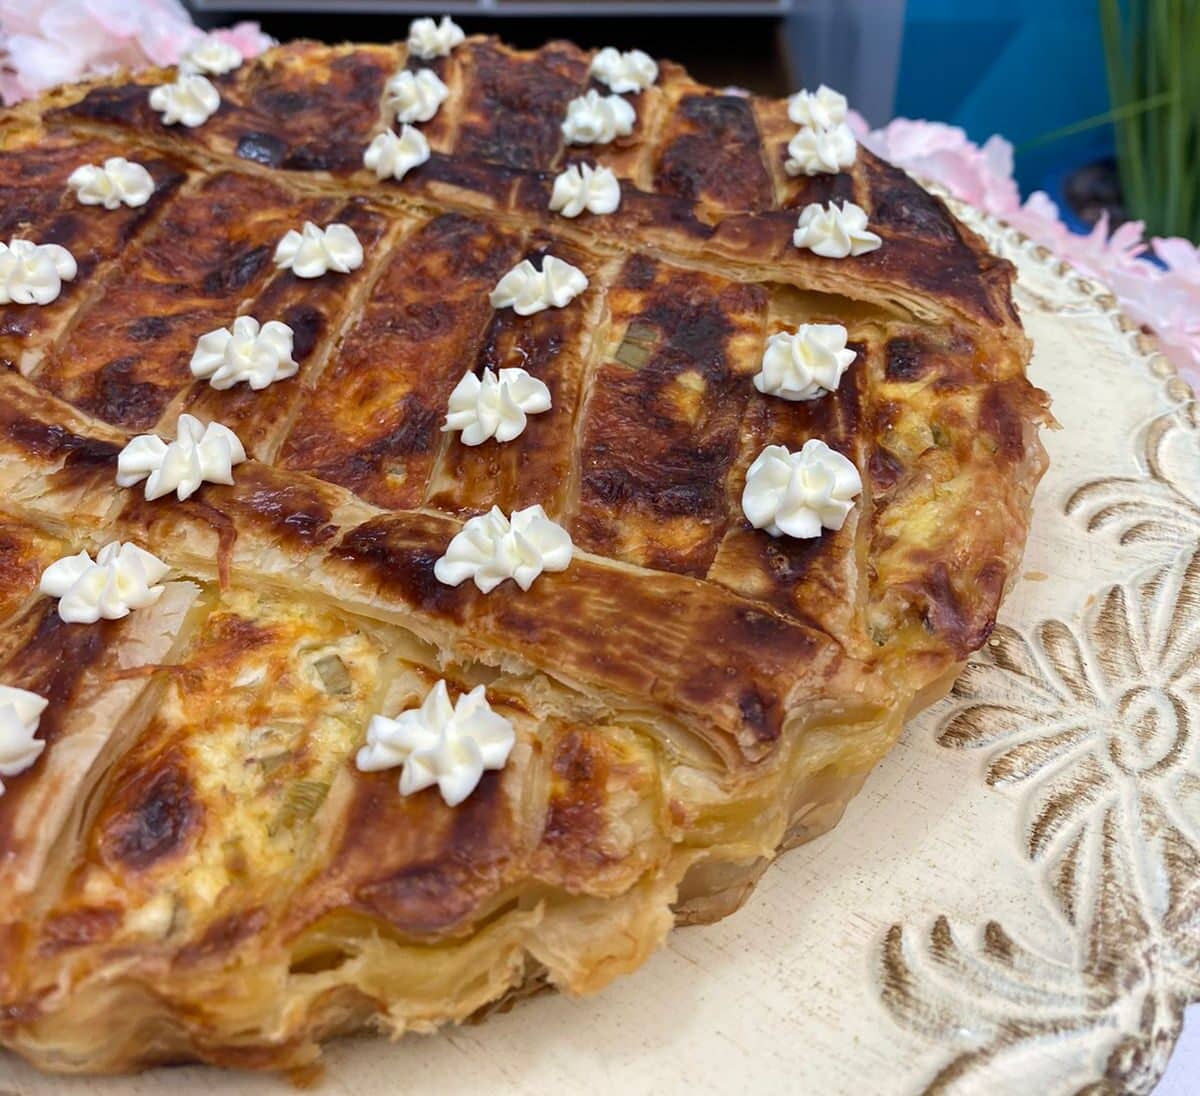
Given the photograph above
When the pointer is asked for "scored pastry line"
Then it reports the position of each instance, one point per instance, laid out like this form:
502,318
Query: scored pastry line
591,358
762,148
351,303
311,372
97,282
135,250
650,127
383,115
470,361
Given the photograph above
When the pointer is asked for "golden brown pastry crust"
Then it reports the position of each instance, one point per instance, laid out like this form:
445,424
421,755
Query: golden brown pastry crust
195,867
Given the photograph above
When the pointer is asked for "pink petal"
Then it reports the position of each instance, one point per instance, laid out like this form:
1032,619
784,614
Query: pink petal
857,123
40,63
247,38
998,156
165,40
73,29
120,20
1181,255
12,89
19,16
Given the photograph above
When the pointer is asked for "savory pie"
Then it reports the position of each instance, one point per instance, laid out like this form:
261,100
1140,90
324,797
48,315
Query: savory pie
198,864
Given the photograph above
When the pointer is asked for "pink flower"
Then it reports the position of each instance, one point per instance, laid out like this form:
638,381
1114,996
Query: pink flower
1167,303
1099,254
932,150
49,43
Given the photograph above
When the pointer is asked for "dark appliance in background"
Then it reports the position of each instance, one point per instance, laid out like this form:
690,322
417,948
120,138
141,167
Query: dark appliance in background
767,46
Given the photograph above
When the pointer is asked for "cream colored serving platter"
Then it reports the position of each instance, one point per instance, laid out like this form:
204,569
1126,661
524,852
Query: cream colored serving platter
1013,902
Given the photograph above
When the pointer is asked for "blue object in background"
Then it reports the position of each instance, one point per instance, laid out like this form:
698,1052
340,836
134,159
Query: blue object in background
1020,68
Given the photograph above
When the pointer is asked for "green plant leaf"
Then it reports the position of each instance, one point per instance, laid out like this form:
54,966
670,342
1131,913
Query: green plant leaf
1150,51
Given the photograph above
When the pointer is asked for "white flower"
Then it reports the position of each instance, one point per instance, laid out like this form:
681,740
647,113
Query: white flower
20,713
623,72
583,187
415,96
798,494
595,119
491,548
440,743
527,290
211,55
815,150
427,39
33,273
258,355
834,232
121,579
389,155
823,108
191,99
495,406
199,454
118,182
805,364
316,250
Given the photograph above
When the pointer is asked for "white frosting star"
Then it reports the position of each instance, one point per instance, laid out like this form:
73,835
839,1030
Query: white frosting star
632,70
247,351
211,55
427,39
450,745
804,364
816,150
115,183
191,99
527,290
495,406
595,119
835,231
798,494
581,187
823,107
391,156
33,273
415,96
316,251
199,454
121,579
491,548
20,713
